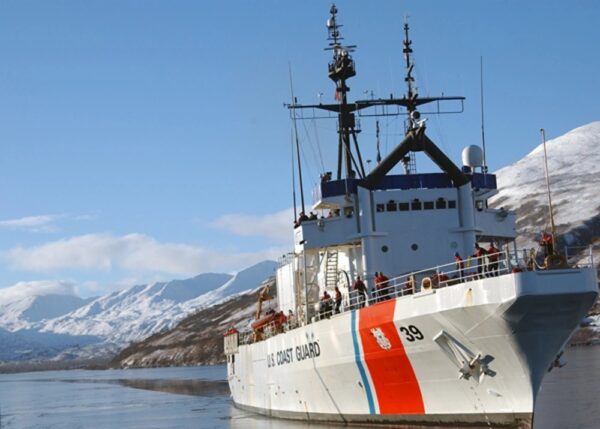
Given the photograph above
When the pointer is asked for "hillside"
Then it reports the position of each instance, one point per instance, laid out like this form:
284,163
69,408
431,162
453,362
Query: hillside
198,339
574,171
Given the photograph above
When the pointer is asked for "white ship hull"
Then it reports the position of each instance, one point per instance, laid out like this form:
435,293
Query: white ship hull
399,361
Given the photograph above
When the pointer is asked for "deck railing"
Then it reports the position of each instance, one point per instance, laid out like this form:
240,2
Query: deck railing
430,279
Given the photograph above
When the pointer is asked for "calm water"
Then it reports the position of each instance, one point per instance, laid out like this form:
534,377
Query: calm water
199,398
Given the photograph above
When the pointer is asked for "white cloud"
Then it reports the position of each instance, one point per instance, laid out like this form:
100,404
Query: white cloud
42,223
276,227
137,254
35,288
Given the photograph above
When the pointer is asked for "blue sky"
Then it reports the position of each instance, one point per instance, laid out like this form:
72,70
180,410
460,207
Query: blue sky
145,140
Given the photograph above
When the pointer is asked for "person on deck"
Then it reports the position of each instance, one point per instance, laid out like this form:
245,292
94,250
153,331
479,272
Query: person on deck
361,290
382,284
547,243
460,265
338,300
409,285
326,305
493,255
480,254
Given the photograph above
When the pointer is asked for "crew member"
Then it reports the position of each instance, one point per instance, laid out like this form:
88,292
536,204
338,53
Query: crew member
382,284
493,255
361,290
325,308
480,254
409,285
547,243
338,300
460,265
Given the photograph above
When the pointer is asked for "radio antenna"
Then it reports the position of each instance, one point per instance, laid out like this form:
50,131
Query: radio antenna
297,143
484,168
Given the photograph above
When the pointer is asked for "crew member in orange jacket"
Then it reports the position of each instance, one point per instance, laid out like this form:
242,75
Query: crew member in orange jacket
547,243
493,255
338,300
382,284
460,265
480,254
361,289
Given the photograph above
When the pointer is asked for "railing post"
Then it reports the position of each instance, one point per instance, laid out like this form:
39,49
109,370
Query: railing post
592,255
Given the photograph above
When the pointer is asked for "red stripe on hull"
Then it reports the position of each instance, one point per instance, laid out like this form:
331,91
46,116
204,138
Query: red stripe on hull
393,378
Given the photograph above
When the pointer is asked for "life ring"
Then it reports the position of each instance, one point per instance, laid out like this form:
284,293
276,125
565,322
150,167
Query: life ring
426,283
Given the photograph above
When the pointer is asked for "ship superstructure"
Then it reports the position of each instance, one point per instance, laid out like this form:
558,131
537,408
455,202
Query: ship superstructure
443,338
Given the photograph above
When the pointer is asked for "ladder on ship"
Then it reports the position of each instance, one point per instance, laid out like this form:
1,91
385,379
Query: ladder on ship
410,164
331,269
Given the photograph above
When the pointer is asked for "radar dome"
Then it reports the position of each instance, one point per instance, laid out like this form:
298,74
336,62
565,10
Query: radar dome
472,156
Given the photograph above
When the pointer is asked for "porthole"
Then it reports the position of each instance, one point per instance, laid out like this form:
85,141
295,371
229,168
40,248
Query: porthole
414,246
384,249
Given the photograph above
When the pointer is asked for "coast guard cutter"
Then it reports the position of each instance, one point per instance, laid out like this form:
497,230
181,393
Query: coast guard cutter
439,344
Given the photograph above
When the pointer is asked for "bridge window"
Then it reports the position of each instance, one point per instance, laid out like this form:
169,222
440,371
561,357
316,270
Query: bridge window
392,206
403,207
415,205
380,208
451,204
428,205
440,203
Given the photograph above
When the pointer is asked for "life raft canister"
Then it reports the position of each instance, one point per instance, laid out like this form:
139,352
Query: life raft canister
555,261
426,283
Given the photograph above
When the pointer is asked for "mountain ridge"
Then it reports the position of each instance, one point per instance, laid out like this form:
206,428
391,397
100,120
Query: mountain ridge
112,321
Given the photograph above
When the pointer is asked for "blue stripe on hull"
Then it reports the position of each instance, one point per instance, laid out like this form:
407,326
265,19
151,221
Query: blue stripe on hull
359,364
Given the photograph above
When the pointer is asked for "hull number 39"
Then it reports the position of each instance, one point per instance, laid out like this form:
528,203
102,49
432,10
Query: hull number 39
411,333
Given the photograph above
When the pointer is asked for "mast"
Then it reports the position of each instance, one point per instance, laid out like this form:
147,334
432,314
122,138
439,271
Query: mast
409,161
411,95
340,69
548,186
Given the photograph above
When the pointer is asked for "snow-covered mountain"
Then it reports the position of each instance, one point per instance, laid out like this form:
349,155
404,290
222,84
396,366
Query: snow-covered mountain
25,303
44,324
574,171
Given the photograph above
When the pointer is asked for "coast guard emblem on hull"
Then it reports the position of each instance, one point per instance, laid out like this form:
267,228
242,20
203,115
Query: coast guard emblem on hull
382,340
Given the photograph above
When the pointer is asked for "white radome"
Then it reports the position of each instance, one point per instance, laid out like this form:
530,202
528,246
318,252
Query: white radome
472,156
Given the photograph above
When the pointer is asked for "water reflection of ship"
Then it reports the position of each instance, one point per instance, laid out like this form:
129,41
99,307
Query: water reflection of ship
463,345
